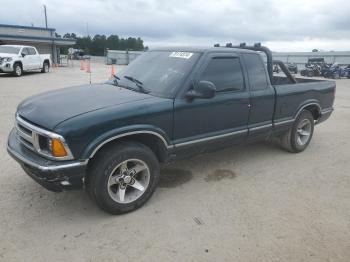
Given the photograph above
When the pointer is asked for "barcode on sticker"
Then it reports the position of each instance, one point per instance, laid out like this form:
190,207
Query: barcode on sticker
185,55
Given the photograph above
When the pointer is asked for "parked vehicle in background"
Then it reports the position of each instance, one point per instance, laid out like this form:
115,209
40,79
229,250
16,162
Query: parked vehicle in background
17,59
313,67
76,54
167,104
347,71
276,68
332,71
292,67
336,71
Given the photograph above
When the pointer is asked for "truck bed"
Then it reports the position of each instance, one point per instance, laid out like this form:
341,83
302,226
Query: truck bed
290,97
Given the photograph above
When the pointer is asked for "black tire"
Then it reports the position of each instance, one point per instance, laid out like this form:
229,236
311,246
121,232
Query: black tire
310,74
102,167
289,141
17,70
46,67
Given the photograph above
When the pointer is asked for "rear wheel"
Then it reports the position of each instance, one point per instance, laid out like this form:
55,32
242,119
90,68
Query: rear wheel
46,68
123,177
17,69
299,136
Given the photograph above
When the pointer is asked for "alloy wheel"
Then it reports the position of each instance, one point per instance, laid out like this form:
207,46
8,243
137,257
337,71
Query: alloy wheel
128,181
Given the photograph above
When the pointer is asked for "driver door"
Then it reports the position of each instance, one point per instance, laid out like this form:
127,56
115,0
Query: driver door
26,59
205,124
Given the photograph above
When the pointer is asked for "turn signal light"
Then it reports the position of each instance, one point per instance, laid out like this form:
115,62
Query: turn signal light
58,149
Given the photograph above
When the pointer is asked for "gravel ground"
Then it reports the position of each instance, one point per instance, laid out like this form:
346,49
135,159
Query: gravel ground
251,203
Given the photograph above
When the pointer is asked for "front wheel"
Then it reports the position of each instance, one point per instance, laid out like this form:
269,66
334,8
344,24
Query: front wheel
123,177
310,74
17,70
299,136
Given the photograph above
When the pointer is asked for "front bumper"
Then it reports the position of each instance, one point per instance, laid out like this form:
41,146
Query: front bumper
53,175
6,67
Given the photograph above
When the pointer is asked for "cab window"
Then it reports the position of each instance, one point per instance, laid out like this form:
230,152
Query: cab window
225,73
31,51
25,51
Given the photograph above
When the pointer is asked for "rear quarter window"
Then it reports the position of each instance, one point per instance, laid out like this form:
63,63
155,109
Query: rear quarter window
256,71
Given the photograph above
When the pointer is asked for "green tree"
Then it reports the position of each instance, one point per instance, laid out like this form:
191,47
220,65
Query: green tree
98,44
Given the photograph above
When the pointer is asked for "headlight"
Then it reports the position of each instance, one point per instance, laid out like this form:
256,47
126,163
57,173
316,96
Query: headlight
8,59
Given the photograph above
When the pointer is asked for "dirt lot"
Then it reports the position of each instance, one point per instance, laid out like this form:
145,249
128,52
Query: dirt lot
252,203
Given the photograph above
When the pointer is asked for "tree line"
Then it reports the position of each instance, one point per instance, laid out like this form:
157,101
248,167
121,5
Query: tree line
98,44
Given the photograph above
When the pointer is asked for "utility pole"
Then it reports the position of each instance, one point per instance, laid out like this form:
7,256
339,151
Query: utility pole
45,16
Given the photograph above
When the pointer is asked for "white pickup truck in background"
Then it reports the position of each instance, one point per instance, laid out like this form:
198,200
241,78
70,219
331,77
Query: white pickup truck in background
17,59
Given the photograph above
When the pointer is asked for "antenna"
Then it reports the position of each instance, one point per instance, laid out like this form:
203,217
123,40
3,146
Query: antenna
87,32
87,29
45,15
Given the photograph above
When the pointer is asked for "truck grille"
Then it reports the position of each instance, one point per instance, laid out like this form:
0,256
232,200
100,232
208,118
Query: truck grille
1,60
26,135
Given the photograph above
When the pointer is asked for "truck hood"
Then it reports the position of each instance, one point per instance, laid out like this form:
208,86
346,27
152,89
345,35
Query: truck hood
51,108
8,55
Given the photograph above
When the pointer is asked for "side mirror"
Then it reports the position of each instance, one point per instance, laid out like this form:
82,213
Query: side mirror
23,54
203,89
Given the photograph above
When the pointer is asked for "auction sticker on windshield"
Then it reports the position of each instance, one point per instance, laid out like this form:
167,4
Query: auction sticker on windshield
185,55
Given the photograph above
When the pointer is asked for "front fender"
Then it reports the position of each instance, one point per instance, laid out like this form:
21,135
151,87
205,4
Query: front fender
125,131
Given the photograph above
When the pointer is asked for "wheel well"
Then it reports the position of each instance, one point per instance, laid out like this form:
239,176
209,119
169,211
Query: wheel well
152,141
18,62
47,61
315,111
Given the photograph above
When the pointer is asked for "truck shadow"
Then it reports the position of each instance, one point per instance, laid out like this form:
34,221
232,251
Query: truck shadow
173,177
76,203
215,164
26,74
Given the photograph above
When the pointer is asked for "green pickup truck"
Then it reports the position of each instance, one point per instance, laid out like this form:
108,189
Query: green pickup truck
167,104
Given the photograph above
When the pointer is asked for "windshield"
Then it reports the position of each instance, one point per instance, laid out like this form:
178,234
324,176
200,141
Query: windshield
158,72
9,49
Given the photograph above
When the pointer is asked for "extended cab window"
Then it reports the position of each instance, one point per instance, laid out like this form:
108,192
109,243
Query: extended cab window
256,71
225,73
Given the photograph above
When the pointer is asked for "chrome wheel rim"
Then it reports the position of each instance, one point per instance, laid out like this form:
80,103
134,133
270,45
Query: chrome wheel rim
46,68
128,181
303,132
18,70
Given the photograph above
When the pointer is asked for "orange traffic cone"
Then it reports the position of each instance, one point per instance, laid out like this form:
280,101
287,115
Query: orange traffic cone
82,67
113,71
88,68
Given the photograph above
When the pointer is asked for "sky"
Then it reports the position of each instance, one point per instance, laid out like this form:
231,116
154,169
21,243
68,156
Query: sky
284,25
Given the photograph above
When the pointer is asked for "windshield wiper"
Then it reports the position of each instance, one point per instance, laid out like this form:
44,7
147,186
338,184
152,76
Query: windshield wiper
138,83
115,80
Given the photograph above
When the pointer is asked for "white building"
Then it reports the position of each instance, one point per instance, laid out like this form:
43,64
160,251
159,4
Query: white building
42,38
